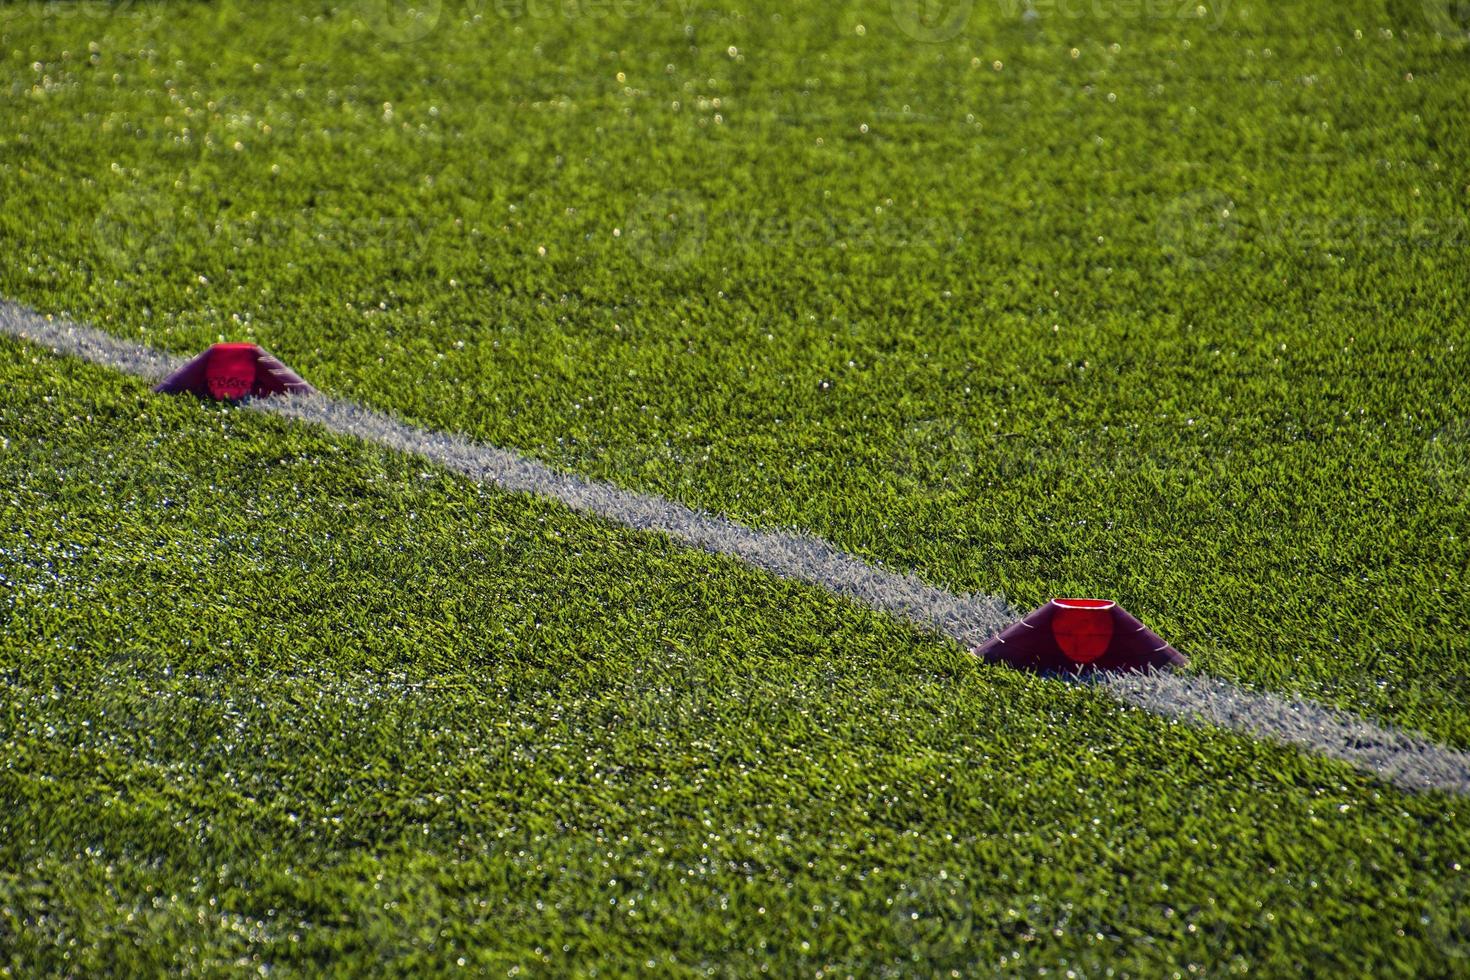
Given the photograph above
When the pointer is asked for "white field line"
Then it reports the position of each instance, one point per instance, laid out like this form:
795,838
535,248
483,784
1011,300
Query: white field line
1403,759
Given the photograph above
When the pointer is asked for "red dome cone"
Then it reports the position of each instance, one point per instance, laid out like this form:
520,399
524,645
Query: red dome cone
230,372
1072,635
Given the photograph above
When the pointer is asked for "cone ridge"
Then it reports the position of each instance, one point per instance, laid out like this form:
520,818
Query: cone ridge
1073,635
230,372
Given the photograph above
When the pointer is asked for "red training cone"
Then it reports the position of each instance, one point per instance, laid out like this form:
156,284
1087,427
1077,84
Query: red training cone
230,372
1072,635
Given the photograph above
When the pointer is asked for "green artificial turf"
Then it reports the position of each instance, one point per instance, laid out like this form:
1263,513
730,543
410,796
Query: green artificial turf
1151,301
274,699
1159,302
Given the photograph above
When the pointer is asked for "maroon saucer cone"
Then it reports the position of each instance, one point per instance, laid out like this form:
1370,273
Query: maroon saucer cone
1072,635
230,372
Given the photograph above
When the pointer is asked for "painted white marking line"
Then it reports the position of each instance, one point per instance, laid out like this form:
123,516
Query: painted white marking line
1399,758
